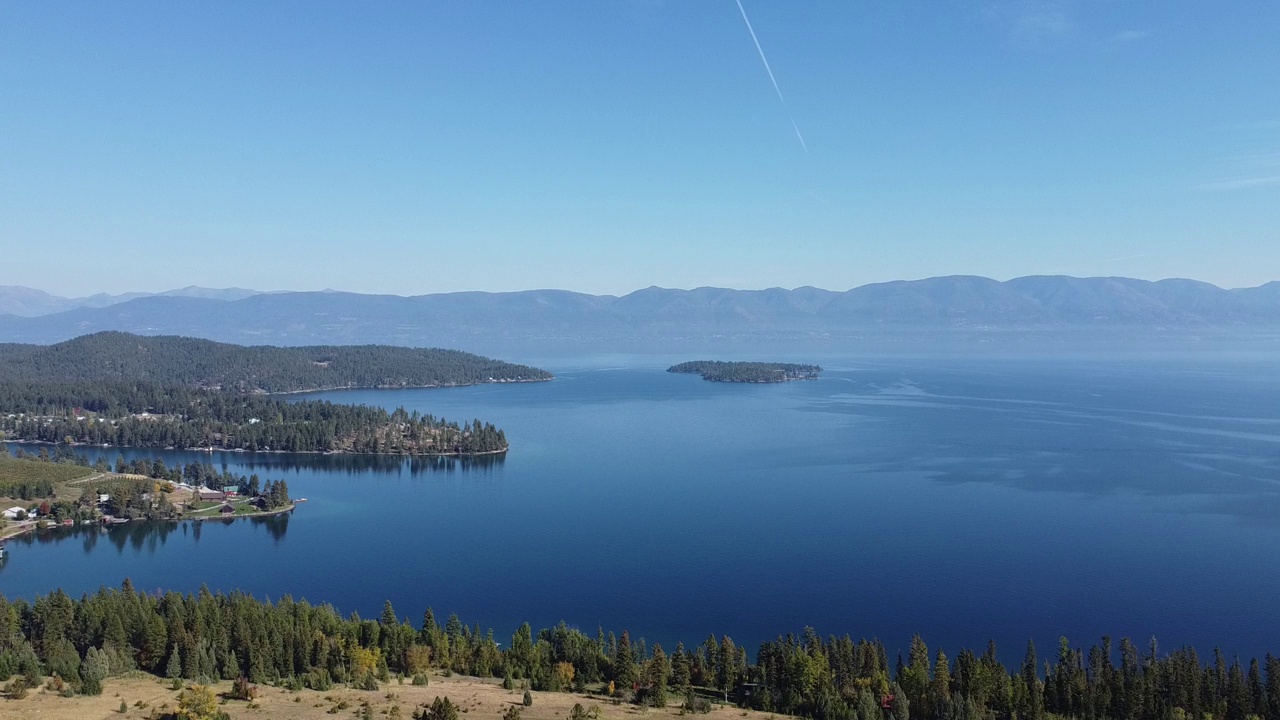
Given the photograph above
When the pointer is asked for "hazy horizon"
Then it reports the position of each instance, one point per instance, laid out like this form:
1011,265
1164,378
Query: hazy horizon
277,290
424,148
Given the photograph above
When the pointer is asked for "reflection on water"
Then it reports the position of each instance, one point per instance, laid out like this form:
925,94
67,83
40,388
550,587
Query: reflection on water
991,501
291,462
144,536
366,463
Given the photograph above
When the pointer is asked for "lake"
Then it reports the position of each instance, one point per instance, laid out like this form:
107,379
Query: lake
963,499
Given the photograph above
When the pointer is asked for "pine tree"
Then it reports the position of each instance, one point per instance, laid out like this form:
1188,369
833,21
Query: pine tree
173,669
681,673
624,664
1034,691
95,668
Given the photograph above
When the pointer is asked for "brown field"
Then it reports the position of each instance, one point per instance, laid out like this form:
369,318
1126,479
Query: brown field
477,699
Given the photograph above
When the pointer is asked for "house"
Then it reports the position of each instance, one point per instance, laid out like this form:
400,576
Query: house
103,499
231,491
211,495
226,509
13,512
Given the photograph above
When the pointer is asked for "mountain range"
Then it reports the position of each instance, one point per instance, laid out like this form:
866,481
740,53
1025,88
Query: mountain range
29,302
481,320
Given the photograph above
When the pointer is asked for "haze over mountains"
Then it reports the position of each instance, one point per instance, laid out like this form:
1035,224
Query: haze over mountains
29,302
483,321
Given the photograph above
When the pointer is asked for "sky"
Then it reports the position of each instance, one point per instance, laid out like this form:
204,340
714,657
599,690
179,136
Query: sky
597,146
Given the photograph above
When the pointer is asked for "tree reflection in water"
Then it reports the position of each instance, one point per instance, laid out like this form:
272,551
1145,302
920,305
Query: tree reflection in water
144,536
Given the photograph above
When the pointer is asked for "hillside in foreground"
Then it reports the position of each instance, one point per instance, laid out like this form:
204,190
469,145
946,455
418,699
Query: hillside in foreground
146,696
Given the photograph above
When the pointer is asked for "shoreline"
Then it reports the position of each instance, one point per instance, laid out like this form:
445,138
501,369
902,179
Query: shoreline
211,450
26,529
315,452
400,387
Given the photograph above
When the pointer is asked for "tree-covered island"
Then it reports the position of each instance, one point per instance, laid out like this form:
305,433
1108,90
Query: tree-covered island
170,392
747,372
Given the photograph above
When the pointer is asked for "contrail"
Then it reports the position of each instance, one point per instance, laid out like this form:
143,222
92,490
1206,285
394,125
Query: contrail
772,79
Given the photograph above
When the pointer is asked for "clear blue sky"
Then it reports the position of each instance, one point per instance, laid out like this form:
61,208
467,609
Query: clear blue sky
414,147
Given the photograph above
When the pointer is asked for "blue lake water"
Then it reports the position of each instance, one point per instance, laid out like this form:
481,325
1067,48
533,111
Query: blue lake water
963,499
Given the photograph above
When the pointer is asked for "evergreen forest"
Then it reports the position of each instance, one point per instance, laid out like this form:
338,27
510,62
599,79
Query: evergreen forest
209,636
747,372
123,390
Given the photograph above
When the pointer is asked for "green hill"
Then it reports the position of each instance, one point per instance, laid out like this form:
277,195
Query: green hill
170,360
126,390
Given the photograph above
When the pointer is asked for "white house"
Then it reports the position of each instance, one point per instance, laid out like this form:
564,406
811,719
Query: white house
12,513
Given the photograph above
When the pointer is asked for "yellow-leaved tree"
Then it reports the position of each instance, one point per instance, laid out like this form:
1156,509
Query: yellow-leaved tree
197,703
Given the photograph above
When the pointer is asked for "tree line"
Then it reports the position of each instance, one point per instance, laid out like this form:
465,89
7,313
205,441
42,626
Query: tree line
206,637
169,360
148,415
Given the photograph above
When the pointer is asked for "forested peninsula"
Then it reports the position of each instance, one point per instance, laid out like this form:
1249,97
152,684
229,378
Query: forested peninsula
171,392
80,643
747,372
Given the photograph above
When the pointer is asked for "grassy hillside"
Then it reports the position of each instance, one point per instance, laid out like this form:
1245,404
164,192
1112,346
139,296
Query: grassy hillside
146,696
13,470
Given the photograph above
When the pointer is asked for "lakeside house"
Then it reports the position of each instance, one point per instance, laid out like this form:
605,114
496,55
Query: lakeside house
13,512
208,495
230,491
227,509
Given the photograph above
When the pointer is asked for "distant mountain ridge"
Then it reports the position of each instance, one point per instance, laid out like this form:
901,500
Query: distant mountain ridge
29,302
476,320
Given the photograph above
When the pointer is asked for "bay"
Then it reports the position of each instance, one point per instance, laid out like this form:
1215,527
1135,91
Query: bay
964,499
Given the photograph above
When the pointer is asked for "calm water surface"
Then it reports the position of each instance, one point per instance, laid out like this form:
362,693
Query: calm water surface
966,500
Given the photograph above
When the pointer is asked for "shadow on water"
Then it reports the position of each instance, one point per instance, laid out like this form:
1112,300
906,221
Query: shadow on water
145,537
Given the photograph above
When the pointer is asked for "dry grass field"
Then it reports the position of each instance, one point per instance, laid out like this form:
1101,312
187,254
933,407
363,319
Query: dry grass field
477,699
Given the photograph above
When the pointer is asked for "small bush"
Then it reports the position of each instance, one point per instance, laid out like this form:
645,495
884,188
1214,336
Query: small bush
421,680
441,709
528,699
319,680
17,689
242,690
512,712
366,682
696,705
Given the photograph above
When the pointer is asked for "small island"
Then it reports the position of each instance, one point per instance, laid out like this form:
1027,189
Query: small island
747,372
